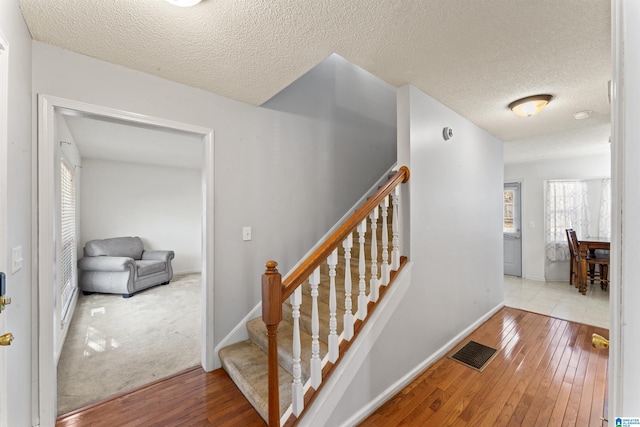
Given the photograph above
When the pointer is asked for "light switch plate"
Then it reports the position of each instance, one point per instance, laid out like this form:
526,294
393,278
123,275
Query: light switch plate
246,233
16,259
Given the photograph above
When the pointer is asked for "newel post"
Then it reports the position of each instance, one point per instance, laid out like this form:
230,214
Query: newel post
272,315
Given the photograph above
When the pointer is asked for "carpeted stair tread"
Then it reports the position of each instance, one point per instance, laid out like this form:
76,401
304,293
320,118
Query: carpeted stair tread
257,333
246,364
305,317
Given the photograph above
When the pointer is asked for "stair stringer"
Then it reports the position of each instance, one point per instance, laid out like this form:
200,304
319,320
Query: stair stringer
338,383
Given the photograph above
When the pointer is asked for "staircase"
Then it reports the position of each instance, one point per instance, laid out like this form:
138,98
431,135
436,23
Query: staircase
358,262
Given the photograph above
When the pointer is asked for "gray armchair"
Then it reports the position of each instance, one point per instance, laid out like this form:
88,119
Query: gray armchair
121,266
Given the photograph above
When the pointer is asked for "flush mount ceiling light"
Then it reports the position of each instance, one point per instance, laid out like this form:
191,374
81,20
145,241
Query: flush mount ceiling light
527,107
183,3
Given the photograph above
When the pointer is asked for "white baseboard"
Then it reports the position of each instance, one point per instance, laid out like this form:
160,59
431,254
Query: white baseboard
181,273
536,278
405,380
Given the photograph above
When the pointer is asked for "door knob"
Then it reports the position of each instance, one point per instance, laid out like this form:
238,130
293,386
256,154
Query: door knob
4,301
599,342
6,339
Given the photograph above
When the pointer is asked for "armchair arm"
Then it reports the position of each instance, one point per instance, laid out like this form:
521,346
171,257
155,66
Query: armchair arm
165,256
106,263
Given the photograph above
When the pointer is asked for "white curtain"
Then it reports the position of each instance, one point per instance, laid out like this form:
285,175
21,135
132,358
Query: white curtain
604,227
567,207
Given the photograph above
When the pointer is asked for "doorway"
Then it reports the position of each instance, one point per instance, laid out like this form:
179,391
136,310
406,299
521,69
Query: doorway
45,226
511,229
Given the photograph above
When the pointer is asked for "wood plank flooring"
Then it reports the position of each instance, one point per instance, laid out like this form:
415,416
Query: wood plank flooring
545,374
192,398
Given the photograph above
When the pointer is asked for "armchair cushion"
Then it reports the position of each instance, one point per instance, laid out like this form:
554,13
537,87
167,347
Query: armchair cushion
131,247
106,263
149,267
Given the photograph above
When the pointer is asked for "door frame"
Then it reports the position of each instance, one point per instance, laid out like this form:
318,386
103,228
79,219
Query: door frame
45,371
4,137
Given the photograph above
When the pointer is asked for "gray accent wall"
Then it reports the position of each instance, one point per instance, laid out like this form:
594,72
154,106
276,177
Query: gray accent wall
344,114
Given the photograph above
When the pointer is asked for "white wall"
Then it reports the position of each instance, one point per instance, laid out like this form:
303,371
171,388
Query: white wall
160,204
456,243
274,171
533,175
624,364
18,314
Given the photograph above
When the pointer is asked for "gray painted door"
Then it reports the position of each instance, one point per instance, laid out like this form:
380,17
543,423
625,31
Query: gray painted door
511,230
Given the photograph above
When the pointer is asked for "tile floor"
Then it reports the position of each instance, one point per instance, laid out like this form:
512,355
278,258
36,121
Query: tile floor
558,299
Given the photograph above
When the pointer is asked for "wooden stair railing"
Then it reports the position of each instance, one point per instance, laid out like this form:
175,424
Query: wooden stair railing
276,291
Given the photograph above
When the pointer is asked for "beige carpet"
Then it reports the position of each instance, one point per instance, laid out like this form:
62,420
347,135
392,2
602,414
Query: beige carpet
116,344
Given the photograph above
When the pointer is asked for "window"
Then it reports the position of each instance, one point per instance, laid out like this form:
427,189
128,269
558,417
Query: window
508,225
68,235
604,229
567,207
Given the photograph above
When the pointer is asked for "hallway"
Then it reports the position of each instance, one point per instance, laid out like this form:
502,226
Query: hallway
545,372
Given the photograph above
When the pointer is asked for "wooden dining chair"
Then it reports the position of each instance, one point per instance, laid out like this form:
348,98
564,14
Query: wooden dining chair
573,268
593,260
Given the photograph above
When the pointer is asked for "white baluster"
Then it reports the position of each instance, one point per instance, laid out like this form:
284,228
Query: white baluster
362,295
374,282
385,275
316,363
395,229
348,315
297,389
333,324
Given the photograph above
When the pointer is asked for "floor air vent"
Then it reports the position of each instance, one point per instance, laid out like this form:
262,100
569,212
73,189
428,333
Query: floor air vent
474,355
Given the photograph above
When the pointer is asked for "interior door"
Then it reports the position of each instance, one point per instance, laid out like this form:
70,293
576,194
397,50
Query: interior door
4,68
511,230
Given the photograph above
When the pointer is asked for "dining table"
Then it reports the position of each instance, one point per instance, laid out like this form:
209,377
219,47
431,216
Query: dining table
587,246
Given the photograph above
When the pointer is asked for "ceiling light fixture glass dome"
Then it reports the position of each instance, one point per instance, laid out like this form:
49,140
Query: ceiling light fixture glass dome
527,107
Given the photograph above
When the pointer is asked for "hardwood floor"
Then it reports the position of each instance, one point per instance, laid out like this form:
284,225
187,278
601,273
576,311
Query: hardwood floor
192,398
544,374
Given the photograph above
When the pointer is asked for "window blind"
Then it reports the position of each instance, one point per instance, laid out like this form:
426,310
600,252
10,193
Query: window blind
68,236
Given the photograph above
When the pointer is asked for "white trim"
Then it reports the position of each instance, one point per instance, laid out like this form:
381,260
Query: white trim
406,380
616,368
44,247
4,137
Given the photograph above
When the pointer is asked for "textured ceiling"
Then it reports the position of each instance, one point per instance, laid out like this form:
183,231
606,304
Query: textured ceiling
473,56
115,140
